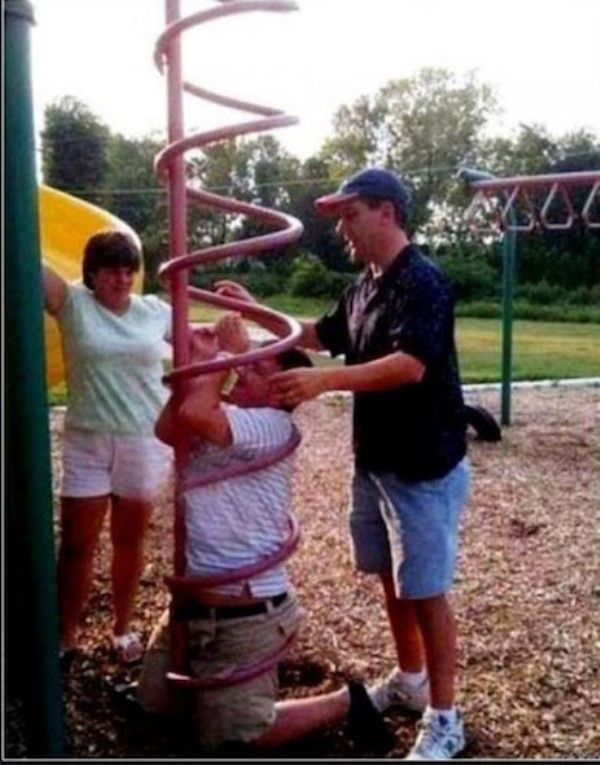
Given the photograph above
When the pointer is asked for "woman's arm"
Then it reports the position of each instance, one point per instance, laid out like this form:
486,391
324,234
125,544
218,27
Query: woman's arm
55,290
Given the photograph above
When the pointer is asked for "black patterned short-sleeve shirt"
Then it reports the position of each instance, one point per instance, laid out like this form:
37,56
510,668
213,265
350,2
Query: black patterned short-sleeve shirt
415,430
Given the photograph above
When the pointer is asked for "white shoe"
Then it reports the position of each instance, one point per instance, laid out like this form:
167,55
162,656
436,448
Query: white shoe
394,691
439,738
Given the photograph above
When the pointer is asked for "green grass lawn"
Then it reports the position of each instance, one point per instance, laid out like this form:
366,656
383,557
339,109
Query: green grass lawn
541,349
300,307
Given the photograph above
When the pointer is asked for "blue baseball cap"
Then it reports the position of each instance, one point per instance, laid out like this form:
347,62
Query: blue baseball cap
372,182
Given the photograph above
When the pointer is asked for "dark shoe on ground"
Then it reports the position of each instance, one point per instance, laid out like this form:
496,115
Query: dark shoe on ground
237,749
66,657
365,724
124,697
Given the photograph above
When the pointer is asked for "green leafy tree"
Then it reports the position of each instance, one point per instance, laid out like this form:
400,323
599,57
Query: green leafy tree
570,258
530,152
579,248
319,237
579,150
421,126
220,169
134,194
133,191
359,137
274,174
257,171
74,148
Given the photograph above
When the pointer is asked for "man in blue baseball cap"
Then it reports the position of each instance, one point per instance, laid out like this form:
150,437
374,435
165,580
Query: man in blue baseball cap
395,328
374,183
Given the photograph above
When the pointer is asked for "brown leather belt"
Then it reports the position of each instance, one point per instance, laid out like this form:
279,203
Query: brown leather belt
192,610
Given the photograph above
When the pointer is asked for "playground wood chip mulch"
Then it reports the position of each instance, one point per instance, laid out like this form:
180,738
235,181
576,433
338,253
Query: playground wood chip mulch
527,595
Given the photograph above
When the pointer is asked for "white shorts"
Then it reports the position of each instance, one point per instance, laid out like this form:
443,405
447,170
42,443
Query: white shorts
97,464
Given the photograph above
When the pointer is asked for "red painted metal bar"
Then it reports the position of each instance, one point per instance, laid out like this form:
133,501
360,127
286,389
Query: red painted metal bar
517,193
170,167
533,181
178,245
191,583
586,212
486,189
544,215
231,676
520,212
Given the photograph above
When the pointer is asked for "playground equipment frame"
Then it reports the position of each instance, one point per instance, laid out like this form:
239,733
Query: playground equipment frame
170,166
515,191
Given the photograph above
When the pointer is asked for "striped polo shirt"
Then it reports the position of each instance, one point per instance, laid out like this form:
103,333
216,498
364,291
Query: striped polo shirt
234,522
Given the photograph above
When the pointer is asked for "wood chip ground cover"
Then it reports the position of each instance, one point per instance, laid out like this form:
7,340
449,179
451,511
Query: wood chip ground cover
527,595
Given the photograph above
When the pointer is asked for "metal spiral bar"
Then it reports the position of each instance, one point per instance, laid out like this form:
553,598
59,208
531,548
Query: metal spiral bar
231,677
170,168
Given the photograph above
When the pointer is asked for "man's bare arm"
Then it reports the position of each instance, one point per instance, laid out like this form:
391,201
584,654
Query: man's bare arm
199,414
196,409
296,385
202,413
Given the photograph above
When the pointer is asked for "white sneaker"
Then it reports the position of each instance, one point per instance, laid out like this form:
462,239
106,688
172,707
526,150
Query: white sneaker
439,738
394,691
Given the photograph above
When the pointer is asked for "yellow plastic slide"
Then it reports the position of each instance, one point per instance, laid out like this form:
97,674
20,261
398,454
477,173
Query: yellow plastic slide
66,223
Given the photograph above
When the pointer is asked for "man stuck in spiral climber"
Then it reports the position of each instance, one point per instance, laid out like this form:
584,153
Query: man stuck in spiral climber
231,524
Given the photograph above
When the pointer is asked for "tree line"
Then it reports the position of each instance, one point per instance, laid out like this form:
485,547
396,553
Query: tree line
424,126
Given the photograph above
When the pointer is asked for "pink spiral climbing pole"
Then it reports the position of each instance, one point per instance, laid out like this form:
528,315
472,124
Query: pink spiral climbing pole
170,166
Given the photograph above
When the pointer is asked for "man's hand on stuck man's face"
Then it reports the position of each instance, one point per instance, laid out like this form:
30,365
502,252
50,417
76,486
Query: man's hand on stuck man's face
291,387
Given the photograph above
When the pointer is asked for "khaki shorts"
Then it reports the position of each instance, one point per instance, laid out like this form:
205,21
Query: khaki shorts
98,464
237,713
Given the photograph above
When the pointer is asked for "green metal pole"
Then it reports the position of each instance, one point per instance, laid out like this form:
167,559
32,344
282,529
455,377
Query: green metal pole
31,635
509,247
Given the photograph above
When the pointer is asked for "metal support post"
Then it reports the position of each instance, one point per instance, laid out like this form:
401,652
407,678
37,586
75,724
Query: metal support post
31,636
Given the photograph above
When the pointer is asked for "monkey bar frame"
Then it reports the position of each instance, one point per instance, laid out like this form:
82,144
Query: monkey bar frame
522,204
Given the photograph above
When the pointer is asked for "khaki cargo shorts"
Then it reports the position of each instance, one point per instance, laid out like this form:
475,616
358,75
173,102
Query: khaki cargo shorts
236,713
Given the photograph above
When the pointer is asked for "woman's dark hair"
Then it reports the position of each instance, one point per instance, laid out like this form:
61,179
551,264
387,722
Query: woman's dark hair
109,249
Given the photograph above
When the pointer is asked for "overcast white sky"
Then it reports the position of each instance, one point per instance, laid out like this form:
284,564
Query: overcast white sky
542,56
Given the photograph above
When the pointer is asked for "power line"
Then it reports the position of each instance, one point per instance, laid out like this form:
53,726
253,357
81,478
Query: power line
215,189
285,183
